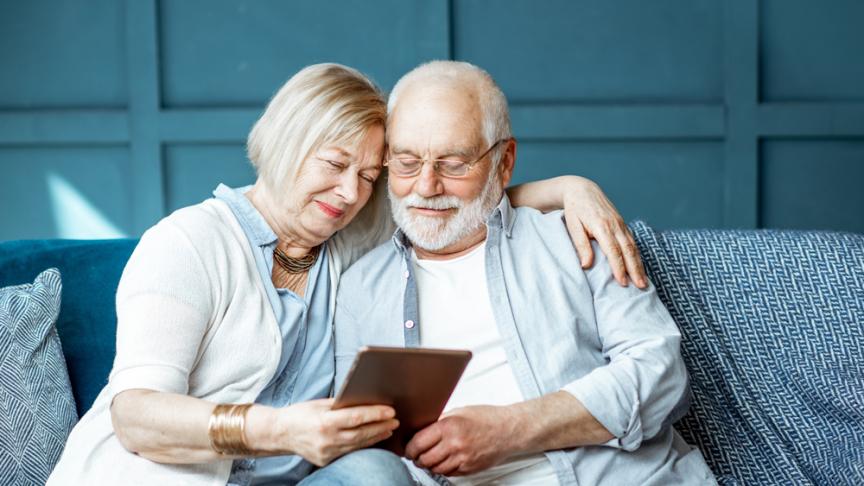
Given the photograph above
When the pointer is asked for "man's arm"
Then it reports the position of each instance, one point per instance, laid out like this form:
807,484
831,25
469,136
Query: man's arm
616,405
472,439
645,380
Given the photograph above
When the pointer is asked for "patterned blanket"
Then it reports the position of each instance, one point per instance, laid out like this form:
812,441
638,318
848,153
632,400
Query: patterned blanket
773,337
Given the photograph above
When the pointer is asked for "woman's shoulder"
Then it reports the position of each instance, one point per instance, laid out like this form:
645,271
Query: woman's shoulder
202,225
195,247
205,217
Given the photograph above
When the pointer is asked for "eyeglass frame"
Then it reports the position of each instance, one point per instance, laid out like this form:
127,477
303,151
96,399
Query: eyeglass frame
437,162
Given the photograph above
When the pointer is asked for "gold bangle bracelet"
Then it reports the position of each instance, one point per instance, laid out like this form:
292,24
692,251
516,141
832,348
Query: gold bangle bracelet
227,429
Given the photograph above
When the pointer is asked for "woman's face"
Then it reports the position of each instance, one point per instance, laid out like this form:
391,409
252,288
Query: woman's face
335,183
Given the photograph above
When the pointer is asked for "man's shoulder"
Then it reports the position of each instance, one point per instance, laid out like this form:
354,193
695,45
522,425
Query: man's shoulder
526,213
377,262
531,222
542,239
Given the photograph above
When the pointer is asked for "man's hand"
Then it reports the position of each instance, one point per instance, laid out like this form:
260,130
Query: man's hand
590,214
464,441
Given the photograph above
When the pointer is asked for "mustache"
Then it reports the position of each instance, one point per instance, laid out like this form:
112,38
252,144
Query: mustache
438,202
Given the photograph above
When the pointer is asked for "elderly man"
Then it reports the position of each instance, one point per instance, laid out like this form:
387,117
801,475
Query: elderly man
575,379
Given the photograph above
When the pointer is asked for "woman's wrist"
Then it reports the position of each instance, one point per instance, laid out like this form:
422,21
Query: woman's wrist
226,429
544,195
265,433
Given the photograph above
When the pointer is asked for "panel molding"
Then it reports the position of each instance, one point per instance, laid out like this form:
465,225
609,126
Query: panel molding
822,120
207,125
741,183
63,126
147,187
741,121
636,121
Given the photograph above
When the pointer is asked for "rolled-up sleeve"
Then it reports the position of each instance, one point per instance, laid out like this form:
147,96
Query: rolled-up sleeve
644,380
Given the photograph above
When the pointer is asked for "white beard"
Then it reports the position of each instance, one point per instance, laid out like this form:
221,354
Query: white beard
435,233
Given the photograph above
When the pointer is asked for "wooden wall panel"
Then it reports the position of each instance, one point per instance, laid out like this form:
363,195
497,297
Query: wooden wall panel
62,54
192,172
807,184
691,113
65,192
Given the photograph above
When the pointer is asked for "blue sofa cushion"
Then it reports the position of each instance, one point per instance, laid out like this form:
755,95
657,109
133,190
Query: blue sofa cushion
773,338
37,410
87,324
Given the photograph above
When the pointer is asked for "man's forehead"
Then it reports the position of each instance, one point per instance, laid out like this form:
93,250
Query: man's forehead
438,140
434,123
437,98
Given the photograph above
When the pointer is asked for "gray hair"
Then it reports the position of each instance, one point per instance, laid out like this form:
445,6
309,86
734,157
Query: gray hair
493,103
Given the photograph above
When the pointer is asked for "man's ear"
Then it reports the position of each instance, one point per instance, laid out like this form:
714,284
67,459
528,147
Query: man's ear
508,161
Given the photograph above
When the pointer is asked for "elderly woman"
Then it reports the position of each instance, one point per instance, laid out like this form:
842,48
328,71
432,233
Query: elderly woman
224,345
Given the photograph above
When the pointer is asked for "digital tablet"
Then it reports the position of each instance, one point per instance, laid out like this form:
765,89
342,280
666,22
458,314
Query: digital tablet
416,382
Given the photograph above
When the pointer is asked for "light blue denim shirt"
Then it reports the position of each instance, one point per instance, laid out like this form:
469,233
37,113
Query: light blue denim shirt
305,370
614,348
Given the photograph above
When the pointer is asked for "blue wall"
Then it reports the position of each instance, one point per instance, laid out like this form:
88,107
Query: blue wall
690,113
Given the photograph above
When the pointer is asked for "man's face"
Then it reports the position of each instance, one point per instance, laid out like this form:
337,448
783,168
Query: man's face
433,123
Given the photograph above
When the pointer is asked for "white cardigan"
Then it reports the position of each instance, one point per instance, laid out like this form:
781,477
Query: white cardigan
193,318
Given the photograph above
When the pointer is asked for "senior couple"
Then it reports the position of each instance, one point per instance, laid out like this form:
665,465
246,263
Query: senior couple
234,315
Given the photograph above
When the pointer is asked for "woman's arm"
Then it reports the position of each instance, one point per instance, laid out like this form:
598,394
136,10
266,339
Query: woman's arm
172,428
588,214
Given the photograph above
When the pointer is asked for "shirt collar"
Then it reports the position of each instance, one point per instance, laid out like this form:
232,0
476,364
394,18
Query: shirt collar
250,219
501,218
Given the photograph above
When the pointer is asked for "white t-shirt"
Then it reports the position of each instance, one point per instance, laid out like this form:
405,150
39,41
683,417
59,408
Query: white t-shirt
455,312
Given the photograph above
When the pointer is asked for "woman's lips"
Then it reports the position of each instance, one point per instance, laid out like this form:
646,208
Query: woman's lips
330,210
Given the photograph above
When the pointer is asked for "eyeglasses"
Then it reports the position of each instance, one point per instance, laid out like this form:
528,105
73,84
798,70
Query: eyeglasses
404,167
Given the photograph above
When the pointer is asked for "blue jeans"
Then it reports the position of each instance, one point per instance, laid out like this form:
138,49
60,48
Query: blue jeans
372,467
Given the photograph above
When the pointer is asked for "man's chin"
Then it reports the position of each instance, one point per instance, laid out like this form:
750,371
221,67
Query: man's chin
425,236
429,224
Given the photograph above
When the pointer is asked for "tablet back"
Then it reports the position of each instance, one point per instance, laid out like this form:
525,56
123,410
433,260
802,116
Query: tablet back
416,382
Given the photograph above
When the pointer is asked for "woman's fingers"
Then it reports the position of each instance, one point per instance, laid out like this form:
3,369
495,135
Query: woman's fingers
612,249
349,418
368,434
632,259
581,241
320,434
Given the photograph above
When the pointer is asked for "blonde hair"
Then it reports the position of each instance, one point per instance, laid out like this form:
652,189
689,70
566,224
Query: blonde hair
322,104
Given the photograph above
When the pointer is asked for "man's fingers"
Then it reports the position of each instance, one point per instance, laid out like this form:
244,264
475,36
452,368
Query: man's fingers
432,457
423,441
632,259
581,241
447,467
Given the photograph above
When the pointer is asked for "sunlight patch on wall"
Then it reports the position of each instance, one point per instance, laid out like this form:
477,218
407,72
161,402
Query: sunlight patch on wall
74,216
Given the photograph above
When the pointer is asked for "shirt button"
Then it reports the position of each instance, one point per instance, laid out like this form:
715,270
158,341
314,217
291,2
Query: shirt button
409,324
406,274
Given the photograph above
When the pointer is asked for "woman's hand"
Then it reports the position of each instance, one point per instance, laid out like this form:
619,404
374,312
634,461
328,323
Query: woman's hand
589,214
319,434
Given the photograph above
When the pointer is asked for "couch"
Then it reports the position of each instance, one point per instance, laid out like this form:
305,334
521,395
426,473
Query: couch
772,325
